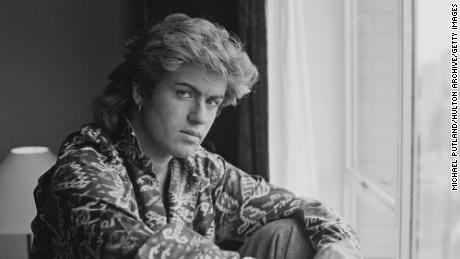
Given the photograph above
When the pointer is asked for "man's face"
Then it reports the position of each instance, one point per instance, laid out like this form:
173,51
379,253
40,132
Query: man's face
177,116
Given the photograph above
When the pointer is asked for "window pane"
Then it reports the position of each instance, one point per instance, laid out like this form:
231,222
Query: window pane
377,91
437,209
377,229
376,112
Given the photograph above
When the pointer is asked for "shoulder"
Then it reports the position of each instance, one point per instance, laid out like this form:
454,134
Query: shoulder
90,139
88,167
87,154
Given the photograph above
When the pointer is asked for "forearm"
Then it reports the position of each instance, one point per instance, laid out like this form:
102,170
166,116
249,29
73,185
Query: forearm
244,204
323,226
267,203
175,241
110,232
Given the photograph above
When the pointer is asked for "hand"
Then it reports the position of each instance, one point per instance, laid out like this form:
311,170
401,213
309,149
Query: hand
341,250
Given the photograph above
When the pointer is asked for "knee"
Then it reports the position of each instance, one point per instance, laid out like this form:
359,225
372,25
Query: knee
283,228
284,238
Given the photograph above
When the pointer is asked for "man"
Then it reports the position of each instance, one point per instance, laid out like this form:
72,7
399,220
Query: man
137,183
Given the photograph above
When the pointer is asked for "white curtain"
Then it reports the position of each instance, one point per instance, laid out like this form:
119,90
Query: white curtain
291,138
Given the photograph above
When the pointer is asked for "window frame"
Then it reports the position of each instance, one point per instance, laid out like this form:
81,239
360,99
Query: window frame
357,185
409,146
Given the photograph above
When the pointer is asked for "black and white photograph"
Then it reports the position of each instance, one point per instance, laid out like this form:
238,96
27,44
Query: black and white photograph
268,129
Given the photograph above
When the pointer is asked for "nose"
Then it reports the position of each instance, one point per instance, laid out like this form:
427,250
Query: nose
198,113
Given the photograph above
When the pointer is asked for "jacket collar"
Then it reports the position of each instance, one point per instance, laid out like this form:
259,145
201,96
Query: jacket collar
129,145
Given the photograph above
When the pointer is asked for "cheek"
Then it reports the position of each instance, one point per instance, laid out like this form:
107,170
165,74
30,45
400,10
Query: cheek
166,114
209,125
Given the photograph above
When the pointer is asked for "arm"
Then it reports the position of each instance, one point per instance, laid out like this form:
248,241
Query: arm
245,203
86,208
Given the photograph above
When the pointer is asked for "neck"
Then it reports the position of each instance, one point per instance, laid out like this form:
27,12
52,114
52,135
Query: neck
160,169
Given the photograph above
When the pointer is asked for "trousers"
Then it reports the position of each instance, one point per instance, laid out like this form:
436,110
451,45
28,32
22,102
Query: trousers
280,239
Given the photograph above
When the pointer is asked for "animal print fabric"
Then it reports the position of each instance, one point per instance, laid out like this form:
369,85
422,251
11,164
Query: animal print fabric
101,200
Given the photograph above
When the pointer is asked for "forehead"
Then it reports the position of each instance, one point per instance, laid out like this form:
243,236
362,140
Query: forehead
199,78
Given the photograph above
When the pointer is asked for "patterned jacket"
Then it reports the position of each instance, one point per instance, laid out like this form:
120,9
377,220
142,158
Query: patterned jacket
101,200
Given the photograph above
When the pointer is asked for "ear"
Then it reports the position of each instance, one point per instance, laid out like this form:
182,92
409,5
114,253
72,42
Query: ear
137,94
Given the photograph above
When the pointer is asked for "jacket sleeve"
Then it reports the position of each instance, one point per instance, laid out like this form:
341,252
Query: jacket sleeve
86,209
244,203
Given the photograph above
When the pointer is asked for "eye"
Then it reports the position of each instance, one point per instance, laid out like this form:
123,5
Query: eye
183,94
215,102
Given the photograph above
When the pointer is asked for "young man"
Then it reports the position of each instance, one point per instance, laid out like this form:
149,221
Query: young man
137,183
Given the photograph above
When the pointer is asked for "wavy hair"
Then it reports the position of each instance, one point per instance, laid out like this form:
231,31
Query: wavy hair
163,47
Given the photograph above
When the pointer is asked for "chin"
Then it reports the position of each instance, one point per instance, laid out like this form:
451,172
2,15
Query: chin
184,152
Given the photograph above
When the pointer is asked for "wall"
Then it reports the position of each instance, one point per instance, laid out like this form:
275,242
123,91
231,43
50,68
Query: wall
54,57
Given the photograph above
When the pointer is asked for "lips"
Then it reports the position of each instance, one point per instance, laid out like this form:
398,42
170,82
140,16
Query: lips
192,133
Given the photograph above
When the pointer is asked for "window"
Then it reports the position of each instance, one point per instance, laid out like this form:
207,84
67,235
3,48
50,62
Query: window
436,208
374,117
398,105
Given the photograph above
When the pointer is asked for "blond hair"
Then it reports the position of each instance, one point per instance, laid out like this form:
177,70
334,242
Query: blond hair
164,47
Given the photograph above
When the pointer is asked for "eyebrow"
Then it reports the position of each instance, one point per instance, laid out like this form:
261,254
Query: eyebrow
195,89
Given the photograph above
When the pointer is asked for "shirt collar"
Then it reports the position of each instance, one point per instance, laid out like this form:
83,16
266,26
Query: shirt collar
129,145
